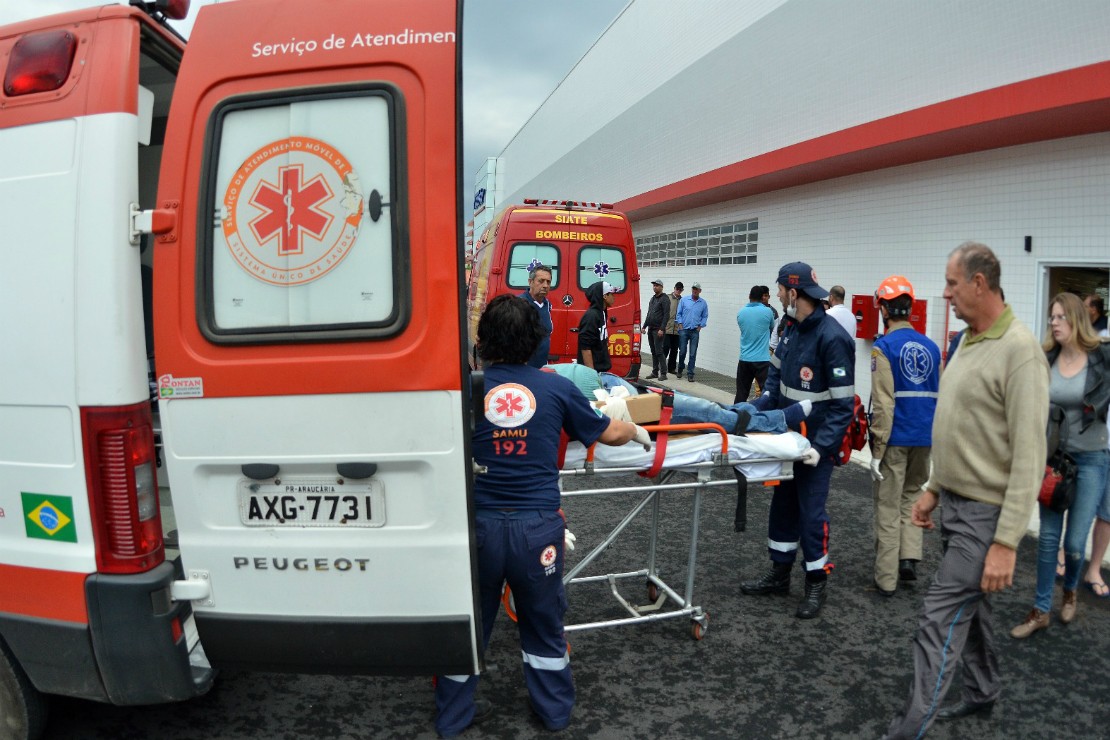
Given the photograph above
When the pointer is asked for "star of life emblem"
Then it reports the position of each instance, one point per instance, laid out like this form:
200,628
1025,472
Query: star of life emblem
547,557
292,211
917,363
509,405
601,269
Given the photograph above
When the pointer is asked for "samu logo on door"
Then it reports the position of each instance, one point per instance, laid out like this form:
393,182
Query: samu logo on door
292,211
49,517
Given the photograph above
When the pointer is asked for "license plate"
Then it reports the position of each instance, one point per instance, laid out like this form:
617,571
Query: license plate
312,503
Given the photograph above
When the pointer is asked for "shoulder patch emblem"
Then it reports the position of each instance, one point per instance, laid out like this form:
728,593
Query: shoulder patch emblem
510,405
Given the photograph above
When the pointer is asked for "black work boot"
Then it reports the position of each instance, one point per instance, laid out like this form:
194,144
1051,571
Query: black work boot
776,580
815,597
907,570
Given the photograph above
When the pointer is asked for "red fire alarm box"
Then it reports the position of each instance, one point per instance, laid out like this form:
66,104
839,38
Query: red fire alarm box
867,316
918,313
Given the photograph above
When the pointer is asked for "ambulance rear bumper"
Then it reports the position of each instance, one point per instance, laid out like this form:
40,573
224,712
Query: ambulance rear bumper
125,655
334,645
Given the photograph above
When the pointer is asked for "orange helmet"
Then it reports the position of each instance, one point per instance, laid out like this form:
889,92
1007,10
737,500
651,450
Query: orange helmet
892,287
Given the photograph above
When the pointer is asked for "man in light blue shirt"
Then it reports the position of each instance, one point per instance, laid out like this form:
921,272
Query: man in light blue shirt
692,316
755,321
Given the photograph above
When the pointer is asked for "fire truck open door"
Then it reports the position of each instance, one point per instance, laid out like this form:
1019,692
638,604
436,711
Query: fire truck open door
313,396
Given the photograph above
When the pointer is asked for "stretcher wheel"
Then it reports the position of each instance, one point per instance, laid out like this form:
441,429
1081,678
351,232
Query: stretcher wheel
698,628
652,591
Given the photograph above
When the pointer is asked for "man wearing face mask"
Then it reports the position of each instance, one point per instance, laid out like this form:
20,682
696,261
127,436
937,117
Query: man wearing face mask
814,361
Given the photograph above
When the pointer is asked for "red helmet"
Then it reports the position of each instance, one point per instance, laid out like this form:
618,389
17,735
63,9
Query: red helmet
892,287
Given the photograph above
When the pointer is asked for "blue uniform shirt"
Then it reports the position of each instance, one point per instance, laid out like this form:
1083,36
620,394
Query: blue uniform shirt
755,321
517,438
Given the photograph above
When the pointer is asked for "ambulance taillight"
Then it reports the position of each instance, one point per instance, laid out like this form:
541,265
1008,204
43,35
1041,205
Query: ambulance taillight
123,488
39,62
636,337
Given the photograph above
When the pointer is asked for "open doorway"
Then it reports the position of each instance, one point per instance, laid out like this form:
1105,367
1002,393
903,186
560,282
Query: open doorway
1081,279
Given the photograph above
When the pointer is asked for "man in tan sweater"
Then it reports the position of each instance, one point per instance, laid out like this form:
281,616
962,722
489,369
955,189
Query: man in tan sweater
988,461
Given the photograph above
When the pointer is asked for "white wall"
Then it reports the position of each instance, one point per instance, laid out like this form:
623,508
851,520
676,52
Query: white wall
906,220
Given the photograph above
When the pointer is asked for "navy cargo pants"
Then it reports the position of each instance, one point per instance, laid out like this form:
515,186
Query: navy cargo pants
798,515
525,549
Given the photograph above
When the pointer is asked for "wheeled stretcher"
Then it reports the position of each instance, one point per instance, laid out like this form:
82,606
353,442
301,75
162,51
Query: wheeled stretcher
763,458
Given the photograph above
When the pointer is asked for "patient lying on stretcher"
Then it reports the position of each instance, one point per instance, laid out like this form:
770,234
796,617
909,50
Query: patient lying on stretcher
736,419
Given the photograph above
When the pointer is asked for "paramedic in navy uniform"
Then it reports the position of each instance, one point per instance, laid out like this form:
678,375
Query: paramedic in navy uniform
539,282
815,360
518,528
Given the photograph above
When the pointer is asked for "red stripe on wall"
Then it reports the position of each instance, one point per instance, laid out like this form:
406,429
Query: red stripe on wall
46,594
1069,103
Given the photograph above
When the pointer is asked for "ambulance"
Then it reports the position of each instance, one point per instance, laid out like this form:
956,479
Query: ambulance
582,243
235,404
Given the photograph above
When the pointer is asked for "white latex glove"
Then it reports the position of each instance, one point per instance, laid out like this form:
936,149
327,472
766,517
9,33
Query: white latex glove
616,408
811,457
875,474
644,438
568,539
807,406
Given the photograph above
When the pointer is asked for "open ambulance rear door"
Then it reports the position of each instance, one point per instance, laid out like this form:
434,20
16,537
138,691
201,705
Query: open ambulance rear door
311,379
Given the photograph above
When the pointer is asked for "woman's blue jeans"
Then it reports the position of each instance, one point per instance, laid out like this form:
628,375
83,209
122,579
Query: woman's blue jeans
1090,483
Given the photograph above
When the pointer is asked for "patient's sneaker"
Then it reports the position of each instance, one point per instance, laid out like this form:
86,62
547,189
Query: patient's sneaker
796,413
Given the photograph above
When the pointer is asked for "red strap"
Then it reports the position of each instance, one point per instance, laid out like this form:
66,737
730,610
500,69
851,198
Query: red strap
665,411
564,440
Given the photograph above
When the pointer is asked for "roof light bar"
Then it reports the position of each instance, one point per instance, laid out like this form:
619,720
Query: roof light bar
568,204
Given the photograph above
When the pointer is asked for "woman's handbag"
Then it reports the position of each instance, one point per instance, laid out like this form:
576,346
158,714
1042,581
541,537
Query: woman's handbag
1058,486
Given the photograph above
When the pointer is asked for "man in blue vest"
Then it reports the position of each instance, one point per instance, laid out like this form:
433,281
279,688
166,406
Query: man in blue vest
814,361
539,282
905,376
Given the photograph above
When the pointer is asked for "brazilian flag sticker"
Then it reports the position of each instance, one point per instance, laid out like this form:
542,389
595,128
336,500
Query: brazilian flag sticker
49,517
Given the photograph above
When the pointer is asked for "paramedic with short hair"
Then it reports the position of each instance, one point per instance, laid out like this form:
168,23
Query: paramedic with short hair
518,528
814,361
905,376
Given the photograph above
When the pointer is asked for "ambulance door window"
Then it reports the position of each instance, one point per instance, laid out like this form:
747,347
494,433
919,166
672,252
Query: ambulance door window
525,256
601,263
305,227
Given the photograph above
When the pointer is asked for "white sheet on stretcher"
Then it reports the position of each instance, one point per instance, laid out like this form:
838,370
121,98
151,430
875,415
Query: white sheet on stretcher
684,451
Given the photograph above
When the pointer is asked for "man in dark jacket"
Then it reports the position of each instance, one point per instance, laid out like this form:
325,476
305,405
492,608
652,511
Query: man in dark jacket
654,325
593,329
815,361
539,282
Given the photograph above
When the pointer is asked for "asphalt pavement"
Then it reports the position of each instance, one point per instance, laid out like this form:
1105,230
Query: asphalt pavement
757,672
